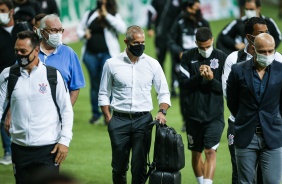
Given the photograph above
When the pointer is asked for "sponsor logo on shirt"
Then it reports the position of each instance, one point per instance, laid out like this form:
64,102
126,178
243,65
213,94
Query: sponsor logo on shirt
214,63
42,88
194,61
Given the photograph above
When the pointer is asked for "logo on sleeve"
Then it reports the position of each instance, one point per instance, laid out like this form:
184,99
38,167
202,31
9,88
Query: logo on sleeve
230,139
42,88
214,63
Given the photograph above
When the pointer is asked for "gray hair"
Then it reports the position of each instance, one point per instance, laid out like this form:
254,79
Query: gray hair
131,30
48,17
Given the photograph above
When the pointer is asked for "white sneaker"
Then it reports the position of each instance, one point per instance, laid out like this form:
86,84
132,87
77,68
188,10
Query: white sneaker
6,159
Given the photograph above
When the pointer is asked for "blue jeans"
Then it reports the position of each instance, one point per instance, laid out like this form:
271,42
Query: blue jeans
94,64
269,159
6,142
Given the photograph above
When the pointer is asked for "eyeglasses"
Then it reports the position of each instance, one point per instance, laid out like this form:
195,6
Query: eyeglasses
54,31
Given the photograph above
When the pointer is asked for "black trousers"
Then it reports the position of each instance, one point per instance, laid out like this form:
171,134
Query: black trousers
161,49
29,163
129,134
230,137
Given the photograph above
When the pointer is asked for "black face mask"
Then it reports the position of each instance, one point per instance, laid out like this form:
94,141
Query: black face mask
136,50
23,60
99,4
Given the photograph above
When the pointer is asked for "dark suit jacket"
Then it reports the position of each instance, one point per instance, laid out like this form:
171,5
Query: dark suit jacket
248,111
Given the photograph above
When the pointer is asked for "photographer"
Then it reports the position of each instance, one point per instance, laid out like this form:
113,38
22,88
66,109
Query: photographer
99,28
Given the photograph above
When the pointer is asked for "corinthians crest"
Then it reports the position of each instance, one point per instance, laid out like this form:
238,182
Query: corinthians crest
42,88
214,63
24,61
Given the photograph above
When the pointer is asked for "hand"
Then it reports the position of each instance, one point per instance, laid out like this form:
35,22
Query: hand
61,151
150,33
161,117
239,46
7,123
103,11
180,55
108,119
87,34
206,72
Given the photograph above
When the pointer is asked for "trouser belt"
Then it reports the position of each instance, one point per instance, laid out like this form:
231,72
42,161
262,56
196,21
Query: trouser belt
134,115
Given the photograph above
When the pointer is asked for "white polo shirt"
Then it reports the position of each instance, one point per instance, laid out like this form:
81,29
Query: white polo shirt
35,120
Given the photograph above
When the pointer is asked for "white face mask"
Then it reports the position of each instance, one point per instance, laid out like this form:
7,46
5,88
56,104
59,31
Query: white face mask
55,39
264,60
250,13
207,53
4,18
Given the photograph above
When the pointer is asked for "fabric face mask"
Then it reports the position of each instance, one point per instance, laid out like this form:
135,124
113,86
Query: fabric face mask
264,60
54,39
23,60
250,13
4,18
137,50
207,53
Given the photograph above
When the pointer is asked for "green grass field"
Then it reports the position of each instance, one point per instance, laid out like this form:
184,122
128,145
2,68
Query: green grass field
89,157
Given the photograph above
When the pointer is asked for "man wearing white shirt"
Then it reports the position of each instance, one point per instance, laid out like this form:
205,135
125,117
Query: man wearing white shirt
39,139
128,78
253,27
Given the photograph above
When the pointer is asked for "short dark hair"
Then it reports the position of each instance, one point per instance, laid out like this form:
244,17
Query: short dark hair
188,3
8,3
257,2
40,16
34,38
249,25
203,34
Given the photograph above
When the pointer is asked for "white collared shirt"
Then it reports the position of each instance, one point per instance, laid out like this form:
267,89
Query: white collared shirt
35,120
231,60
130,84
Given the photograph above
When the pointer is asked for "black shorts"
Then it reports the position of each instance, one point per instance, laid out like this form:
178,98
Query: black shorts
206,135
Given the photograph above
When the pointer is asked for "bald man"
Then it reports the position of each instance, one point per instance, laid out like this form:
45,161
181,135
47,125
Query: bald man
254,97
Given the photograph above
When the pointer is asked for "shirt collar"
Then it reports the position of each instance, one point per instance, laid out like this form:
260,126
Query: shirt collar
126,58
56,51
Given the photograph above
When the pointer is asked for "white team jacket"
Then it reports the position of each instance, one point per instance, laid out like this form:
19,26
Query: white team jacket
35,121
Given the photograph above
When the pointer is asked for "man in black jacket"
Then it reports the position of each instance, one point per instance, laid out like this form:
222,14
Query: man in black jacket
201,70
8,36
182,36
254,97
162,14
232,37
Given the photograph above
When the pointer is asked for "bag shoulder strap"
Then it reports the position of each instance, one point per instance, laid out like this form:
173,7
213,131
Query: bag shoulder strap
14,75
12,79
52,79
242,56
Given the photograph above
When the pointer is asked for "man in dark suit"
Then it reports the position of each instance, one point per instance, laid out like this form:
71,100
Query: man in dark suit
254,97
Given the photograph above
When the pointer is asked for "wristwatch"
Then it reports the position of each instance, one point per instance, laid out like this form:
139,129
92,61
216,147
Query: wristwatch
162,111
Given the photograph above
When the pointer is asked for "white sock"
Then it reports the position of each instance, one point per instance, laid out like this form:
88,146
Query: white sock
207,181
200,180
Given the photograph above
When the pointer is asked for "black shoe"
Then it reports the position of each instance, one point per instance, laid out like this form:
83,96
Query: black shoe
94,120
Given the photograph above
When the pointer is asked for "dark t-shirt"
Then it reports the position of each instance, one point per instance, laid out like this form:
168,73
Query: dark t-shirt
97,42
